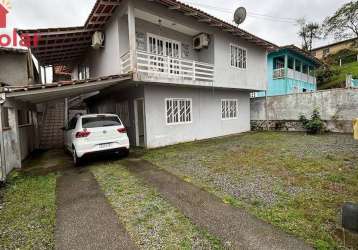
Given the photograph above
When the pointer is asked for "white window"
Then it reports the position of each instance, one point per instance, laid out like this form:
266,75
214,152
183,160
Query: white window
229,109
238,57
122,110
178,110
165,54
83,72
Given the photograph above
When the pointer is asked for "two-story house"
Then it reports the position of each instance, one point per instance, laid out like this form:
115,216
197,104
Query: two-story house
290,70
330,49
191,73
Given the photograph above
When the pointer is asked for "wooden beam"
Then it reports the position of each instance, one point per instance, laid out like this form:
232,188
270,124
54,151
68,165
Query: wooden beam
174,7
205,20
195,13
63,32
62,44
216,25
62,49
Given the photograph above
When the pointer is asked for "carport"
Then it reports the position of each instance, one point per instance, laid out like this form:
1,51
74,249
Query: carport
16,139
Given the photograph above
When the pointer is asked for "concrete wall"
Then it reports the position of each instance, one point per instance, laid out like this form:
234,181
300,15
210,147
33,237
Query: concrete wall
13,69
337,106
27,145
206,116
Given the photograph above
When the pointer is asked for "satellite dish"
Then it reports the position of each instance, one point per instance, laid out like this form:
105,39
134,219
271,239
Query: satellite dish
240,15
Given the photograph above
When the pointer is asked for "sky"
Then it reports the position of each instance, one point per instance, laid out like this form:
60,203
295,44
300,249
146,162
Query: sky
272,20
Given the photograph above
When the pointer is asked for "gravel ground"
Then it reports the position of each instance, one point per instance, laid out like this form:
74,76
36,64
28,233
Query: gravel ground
273,175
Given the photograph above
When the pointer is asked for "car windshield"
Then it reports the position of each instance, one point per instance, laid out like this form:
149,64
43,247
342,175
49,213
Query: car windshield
100,121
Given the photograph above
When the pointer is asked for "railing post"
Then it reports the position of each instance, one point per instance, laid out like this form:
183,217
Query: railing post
132,39
194,71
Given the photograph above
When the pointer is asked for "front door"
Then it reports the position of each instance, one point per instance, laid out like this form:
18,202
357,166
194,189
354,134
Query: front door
139,122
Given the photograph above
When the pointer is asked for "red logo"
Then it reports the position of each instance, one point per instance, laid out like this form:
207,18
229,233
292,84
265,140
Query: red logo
7,40
4,10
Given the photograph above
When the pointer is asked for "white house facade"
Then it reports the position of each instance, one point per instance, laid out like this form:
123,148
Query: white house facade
178,93
173,73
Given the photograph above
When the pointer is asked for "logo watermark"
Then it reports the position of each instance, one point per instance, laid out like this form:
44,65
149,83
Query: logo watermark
13,39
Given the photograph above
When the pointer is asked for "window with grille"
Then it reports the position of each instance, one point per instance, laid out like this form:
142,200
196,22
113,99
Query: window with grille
178,111
238,57
24,117
122,110
229,109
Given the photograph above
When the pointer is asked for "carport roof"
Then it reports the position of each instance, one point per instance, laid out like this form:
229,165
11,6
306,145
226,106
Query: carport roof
43,93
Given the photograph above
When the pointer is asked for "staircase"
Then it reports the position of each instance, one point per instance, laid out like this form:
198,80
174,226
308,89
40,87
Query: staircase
52,135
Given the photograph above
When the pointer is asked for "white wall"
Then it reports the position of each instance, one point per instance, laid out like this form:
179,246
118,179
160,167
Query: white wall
253,78
207,122
106,61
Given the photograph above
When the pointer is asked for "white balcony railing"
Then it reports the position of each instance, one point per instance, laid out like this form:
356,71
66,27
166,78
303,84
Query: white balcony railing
164,67
293,74
279,73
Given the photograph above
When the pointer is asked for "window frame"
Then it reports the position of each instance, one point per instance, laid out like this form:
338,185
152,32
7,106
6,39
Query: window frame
21,114
223,115
164,40
232,45
178,99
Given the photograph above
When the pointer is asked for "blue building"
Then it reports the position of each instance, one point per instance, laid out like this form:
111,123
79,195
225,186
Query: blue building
290,70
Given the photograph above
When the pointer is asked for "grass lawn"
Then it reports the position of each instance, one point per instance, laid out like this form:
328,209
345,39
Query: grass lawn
339,80
27,212
149,219
291,180
28,203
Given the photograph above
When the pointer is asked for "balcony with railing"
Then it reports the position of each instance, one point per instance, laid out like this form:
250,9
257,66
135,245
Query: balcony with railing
293,74
157,68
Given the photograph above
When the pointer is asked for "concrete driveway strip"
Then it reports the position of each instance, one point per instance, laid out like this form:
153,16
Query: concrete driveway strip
84,218
234,226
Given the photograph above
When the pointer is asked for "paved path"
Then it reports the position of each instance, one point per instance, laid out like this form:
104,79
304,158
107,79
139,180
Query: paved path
84,218
230,224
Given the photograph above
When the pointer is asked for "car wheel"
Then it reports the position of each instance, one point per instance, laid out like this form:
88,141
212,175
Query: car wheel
76,160
125,152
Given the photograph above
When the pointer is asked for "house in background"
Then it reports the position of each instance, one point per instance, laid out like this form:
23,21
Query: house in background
330,49
290,70
191,73
17,67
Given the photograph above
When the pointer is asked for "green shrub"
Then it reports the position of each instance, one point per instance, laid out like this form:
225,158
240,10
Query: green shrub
325,74
347,56
315,125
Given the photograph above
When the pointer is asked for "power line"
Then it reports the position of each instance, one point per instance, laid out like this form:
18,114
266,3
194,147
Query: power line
249,14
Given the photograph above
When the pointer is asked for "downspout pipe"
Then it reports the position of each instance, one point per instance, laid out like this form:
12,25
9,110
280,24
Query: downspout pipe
2,140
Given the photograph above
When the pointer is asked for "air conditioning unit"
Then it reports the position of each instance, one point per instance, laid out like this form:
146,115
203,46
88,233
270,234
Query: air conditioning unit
98,40
201,41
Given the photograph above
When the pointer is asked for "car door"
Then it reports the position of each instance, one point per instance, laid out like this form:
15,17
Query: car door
69,131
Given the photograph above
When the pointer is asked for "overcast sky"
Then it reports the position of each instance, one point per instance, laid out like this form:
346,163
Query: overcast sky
272,20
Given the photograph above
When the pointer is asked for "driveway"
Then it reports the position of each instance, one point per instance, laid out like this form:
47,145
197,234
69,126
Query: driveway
84,219
234,226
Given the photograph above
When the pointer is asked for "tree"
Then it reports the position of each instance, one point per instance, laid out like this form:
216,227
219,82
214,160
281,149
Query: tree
344,23
308,32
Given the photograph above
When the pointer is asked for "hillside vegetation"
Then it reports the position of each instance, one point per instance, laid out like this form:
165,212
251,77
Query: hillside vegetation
338,76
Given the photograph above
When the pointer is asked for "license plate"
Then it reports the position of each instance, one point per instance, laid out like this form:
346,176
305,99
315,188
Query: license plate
104,146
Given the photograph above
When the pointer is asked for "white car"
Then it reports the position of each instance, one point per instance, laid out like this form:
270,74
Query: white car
90,134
